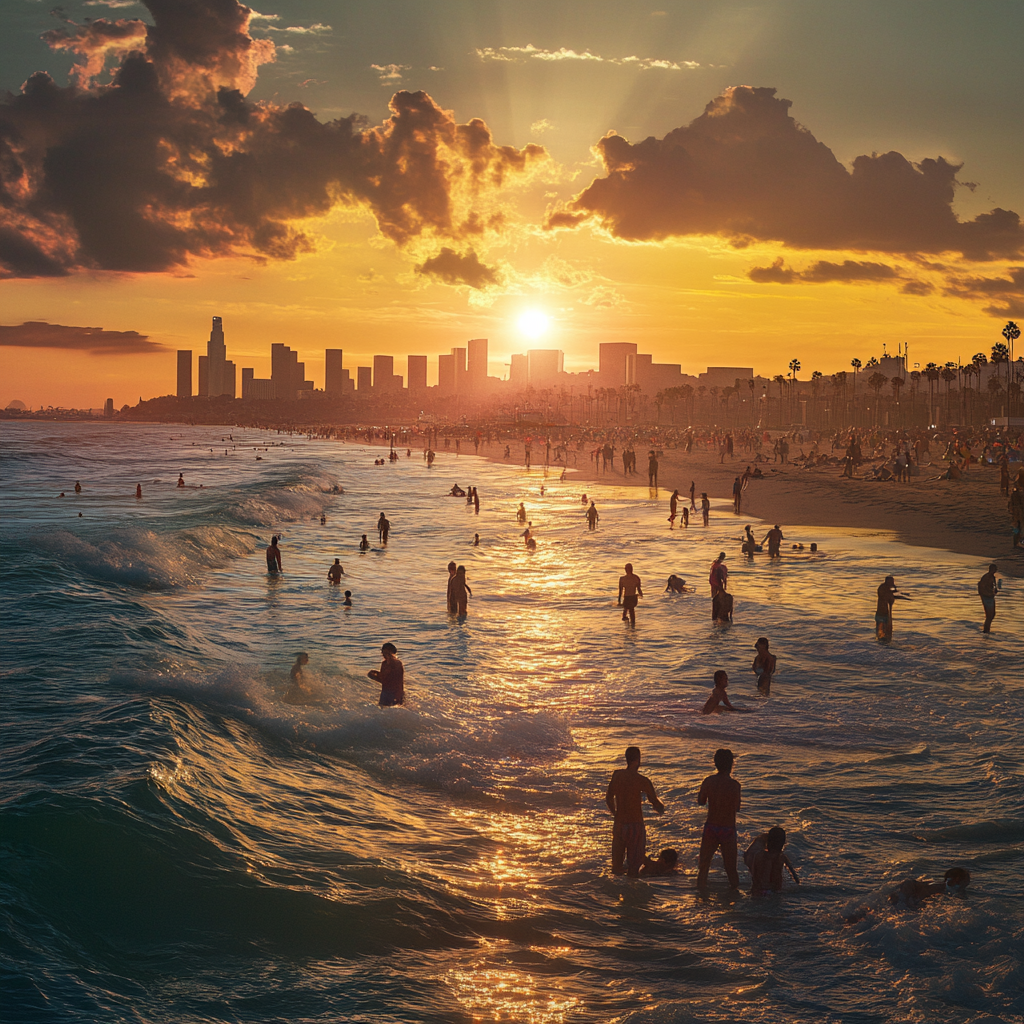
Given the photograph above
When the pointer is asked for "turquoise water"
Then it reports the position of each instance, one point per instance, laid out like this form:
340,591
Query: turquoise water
180,844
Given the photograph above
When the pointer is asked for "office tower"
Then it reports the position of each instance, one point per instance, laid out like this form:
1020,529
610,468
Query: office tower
476,363
286,372
108,407
334,375
459,355
364,379
518,374
612,363
216,356
446,374
204,376
417,373
227,380
384,374
543,366
184,373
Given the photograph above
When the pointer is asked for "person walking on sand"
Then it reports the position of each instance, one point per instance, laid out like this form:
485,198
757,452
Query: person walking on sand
652,469
273,555
624,798
721,794
693,491
592,517
391,676
630,593
335,572
887,595
987,592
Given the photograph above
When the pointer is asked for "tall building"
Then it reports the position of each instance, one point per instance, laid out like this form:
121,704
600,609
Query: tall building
384,374
613,363
184,373
519,372
256,389
204,376
446,374
287,373
543,366
216,357
227,380
417,374
108,408
337,380
476,363
460,368
364,379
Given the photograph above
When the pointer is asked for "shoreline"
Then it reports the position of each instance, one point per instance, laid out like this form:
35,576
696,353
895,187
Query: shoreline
963,517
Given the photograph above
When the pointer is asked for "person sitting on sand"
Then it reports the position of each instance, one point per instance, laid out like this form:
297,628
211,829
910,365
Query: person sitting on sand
664,865
719,699
765,860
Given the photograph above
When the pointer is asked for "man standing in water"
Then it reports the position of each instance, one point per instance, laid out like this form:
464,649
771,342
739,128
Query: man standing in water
630,592
592,517
273,555
624,798
721,793
391,676
887,595
335,572
773,538
737,493
987,592
383,528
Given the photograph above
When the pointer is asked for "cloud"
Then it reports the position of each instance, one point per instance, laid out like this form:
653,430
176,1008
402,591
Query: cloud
454,268
824,272
541,126
390,73
745,170
1006,294
298,30
39,334
170,161
519,54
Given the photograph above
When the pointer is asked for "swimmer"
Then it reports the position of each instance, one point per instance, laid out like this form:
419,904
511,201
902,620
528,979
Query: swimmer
138,491
763,666
476,540
521,513
721,793
348,599
664,865
273,555
531,545
911,892
364,544
323,518
391,676
296,690
181,479
630,592
78,487
765,860
719,698
61,495
624,798
676,585
335,572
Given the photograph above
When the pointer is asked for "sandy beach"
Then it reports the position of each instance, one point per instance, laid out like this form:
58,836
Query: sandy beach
968,517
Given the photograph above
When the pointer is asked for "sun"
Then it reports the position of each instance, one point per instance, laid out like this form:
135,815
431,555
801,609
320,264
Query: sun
534,323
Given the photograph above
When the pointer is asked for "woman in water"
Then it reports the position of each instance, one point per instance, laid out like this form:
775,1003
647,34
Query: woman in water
763,666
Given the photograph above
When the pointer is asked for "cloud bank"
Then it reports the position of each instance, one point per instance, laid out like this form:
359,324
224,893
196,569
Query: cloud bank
96,340
169,161
518,54
746,171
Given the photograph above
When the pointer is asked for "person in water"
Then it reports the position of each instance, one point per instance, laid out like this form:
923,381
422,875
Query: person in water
911,892
718,580
676,585
296,688
763,666
78,487
364,544
765,860
987,592
773,538
383,528
721,794
348,599
521,513
460,592
476,540
456,492
138,490
887,596
664,865
705,507
719,698
592,517
630,592
673,506
391,676
624,798
335,572
273,555
449,604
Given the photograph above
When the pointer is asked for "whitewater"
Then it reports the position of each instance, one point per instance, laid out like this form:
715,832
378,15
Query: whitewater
179,843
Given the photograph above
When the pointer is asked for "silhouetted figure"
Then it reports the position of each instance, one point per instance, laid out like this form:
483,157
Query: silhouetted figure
391,676
273,555
721,794
624,798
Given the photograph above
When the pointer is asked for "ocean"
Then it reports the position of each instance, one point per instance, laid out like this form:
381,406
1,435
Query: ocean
180,843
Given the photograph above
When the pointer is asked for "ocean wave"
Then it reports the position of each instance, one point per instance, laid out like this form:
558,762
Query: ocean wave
305,497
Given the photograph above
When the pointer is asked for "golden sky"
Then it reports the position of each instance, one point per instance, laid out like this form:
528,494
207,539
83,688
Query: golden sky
721,184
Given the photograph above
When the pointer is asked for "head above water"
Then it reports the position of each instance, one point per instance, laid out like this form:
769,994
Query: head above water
389,648
993,568
761,641
724,759
669,857
957,879
721,678
632,755
629,567
776,839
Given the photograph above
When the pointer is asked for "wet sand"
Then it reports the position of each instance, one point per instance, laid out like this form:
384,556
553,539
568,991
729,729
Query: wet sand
967,517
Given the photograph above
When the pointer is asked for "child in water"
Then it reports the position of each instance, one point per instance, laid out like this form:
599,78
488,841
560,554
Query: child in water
765,860
664,865
296,690
719,699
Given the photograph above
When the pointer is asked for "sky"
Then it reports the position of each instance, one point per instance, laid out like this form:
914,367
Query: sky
721,183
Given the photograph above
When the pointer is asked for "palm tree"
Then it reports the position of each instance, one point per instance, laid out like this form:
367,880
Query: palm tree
948,374
856,364
1011,332
897,383
1001,354
876,382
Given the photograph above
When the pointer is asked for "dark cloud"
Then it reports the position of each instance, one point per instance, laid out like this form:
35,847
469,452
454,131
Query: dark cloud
455,268
39,334
746,170
170,161
917,288
1005,294
824,272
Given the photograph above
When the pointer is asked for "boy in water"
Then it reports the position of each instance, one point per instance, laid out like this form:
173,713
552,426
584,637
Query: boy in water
719,698
624,798
765,860
664,865
348,599
721,793
296,690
